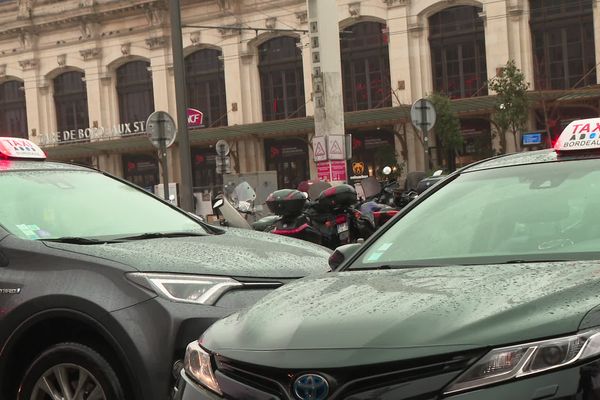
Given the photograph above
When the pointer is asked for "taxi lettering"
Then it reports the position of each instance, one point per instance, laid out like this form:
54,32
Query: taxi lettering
585,128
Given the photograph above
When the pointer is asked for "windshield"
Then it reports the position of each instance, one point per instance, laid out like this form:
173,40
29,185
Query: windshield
540,212
55,204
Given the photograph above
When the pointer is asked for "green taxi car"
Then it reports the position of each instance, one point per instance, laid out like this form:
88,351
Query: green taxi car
487,287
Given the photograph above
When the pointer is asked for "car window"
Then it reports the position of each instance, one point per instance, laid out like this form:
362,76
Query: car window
54,204
532,212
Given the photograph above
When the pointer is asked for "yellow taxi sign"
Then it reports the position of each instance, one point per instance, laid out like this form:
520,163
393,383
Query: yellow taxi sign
583,134
17,148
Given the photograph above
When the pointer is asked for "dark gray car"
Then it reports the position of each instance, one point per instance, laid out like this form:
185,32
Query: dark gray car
102,285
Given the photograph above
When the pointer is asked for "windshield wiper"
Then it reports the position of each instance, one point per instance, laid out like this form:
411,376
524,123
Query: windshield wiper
521,261
77,240
385,267
159,235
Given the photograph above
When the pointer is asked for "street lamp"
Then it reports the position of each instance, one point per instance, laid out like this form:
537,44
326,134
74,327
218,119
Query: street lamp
185,157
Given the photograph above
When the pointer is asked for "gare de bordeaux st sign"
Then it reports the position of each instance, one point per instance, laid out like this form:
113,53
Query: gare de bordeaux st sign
195,120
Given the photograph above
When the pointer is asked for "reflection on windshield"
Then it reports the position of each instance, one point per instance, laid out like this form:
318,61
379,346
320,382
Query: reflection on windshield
82,204
524,213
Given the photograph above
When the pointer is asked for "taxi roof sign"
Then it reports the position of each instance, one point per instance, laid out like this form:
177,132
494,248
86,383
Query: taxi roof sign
583,134
20,148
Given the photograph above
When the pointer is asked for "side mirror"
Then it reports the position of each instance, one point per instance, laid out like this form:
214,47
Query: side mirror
343,253
217,204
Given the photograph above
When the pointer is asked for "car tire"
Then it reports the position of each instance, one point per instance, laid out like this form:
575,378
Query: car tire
70,367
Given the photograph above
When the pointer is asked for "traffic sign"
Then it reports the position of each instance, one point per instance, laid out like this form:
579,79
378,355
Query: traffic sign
423,115
320,148
222,148
336,147
161,129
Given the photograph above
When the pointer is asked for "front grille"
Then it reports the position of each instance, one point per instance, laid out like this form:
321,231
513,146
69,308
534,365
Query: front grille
352,381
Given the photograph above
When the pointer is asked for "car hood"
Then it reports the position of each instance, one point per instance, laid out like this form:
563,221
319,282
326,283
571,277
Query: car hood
411,313
240,253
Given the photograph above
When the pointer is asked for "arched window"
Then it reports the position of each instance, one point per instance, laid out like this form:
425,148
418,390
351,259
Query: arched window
281,79
563,43
457,41
13,113
206,85
70,102
134,88
365,66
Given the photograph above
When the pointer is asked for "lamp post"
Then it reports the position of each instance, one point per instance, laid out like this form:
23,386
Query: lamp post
185,157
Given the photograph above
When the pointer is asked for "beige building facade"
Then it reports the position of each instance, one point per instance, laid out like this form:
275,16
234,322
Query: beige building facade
80,77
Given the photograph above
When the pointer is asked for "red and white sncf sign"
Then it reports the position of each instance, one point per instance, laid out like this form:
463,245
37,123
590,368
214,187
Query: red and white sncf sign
20,148
195,118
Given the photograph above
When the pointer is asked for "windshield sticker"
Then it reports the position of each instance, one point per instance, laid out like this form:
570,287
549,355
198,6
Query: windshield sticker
385,246
374,257
29,230
33,231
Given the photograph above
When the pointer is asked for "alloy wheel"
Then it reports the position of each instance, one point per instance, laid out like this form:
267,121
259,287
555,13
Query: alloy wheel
67,382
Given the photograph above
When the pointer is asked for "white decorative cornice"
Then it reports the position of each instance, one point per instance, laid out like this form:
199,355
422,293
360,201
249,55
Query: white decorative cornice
483,16
61,60
90,54
86,3
156,14
195,38
89,29
29,64
354,9
229,31
302,17
271,22
25,9
125,49
105,78
247,56
156,42
416,29
516,10
225,4
397,3
28,39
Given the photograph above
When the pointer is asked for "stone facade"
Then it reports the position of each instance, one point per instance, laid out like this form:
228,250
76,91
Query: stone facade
41,39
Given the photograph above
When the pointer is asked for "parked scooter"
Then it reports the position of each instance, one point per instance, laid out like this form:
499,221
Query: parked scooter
237,206
326,220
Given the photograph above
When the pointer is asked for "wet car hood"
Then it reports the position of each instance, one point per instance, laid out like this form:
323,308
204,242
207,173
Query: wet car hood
342,317
240,253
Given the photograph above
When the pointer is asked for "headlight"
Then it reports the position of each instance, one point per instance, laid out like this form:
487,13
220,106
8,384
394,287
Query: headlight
517,361
198,366
185,288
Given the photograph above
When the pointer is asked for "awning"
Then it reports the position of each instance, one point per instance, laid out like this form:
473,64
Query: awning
288,127
302,126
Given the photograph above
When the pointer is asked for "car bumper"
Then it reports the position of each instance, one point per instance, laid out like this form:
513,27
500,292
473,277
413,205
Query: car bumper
154,335
576,383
